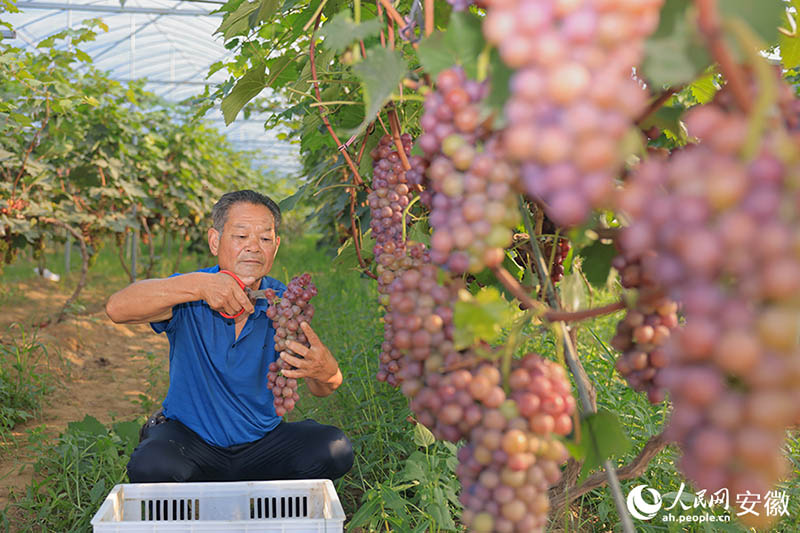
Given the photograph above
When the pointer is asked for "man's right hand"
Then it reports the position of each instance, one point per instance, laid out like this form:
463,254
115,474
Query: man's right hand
221,292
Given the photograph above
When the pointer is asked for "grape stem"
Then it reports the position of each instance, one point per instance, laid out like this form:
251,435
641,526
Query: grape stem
586,391
356,234
405,213
708,20
560,497
394,124
551,315
575,316
428,17
395,18
342,148
380,17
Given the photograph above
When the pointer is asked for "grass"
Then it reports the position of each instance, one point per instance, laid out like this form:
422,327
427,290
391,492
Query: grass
401,480
24,378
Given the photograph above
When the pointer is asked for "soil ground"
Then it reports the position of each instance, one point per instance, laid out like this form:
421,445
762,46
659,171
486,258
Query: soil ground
99,368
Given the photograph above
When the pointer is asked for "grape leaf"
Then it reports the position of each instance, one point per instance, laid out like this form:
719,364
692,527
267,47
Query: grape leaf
480,317
282,70
499,78
597,262
237,22
705,87
666,118
674,54
379,72
459,45
245,90
602,437
266,8
340,31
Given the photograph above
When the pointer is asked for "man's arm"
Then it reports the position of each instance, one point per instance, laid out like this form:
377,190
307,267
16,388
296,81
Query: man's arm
151,300
317,364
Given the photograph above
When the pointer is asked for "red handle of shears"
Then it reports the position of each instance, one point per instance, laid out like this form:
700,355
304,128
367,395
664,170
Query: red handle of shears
241,286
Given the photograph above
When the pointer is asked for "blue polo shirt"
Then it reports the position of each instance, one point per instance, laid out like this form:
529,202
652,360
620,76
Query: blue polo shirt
218,383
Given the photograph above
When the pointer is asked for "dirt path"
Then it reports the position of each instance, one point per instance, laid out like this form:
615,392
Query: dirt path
101,368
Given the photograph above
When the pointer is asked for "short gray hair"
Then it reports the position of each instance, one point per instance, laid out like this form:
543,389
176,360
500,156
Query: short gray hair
219,213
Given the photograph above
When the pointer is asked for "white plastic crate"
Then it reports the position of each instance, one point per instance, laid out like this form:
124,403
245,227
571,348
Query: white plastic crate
309,505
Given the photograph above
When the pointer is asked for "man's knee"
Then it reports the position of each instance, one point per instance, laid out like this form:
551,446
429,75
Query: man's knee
155,461
340,454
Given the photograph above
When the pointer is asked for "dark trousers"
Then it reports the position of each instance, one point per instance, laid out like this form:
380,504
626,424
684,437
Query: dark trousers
172,452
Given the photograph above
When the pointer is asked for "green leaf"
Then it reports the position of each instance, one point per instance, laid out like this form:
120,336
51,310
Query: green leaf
439,511
364,513
481,317
414,469
83,56
282,70
499,79
705,87
675,53
129,433
602,437
89,426
395,502
461,45
379,72
340,31
597,262
237,23
346,254
763,16
247,88
266,8
97,491
423,436
667,118
420,232
790,46
435,54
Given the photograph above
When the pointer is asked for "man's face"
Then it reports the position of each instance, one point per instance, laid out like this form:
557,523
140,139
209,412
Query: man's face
247,244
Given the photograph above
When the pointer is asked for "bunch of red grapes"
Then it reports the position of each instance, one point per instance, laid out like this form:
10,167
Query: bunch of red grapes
554,254
453,108
641,335
511,457
391,194
573,96
734,367
409,257
472,193
286,313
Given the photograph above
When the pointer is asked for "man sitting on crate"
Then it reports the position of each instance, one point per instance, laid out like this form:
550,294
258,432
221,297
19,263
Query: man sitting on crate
218,421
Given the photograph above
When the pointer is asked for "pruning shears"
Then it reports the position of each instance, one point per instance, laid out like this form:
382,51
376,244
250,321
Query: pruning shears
267,294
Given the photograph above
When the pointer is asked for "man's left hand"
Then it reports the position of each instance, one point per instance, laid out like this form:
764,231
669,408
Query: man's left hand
316,361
